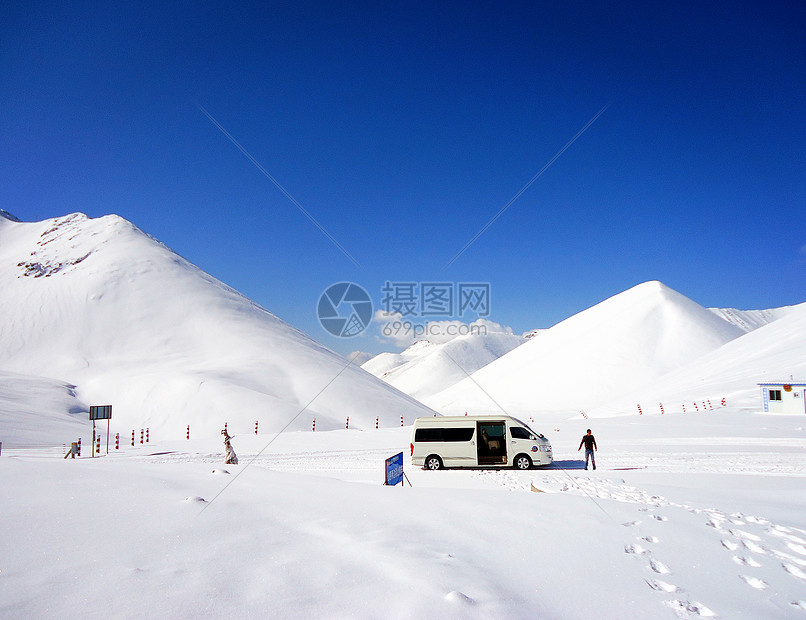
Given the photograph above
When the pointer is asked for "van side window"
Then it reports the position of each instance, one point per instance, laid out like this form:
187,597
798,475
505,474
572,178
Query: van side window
443,434
519,433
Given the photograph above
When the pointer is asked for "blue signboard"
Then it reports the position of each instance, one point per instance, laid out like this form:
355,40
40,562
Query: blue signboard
394,470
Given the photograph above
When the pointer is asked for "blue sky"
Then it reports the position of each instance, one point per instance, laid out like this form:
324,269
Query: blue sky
403,128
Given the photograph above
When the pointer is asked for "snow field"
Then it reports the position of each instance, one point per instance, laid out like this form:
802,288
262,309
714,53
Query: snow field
306,528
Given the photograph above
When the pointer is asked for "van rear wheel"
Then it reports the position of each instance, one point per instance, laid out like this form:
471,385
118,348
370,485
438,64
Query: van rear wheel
522,461
433,462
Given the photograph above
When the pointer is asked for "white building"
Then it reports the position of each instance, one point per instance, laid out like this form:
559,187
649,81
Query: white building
784,397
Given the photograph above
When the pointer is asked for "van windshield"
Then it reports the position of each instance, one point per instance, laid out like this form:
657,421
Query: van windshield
527,427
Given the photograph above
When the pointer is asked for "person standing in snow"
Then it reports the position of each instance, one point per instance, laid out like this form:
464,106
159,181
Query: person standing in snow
589,441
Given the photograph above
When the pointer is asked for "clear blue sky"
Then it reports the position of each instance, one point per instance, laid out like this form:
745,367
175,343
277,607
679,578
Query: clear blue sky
404,127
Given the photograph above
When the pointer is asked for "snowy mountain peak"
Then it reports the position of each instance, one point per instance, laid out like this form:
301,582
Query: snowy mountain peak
5,215
100,304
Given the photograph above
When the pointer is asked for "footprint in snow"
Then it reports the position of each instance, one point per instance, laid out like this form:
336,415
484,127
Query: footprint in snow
651,539
753,546
691,607
799,604
634,549
754,582
659,567
195,499
789,537
459,598
745,561
631,523
729,545
660,518
795,571
796,548
745,535
662,586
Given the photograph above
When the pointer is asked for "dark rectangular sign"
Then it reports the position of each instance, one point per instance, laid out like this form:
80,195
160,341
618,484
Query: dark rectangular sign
100,412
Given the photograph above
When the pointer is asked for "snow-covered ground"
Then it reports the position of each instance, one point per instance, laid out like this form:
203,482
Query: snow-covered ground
695,515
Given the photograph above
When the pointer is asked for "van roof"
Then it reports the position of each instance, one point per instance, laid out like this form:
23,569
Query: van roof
466,418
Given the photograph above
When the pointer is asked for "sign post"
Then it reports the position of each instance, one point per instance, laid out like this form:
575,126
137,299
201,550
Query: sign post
101,412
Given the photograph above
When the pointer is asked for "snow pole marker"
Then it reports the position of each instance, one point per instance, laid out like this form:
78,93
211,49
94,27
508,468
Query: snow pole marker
584,415
132,437
695,406
147,436
724,404
79,446
347,425
703,405
710,406
313,426
142,435
256,427
98,444
376,422
684,407
401,420
661,408
188,433
639,410
117,441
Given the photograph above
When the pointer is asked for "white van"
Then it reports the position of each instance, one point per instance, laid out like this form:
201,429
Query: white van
477,441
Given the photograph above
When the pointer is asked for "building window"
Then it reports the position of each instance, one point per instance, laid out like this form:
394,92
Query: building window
775,394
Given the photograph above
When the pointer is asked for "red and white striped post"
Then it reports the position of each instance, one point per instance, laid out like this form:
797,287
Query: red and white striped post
313,426
661,408
684,407
703,405
401,420
639,410
132,436
188,433
696,406
724,403
79,446
347,425
98,444
146,435
376,422
710,406
256,427
142,436
117,441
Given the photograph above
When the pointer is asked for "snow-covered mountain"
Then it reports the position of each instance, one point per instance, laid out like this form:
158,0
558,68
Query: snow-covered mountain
594,356
772,352
426,368
101,305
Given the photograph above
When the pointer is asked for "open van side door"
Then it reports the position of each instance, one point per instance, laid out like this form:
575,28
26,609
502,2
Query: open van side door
492,443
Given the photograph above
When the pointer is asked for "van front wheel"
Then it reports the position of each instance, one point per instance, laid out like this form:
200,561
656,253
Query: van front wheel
433,462
522,462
